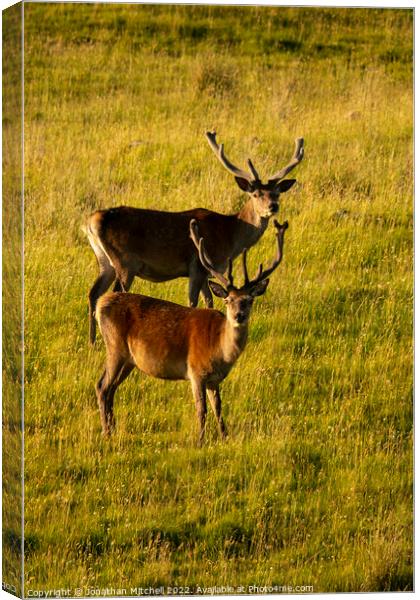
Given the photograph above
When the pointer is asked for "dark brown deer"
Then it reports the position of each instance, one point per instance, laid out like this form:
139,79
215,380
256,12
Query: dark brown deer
169,341
156,245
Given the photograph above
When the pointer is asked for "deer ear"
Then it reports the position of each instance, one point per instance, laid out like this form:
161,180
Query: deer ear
260,288
285,185
243,184
218,290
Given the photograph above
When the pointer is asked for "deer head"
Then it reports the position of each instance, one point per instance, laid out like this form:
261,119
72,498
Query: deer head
264,196
238,300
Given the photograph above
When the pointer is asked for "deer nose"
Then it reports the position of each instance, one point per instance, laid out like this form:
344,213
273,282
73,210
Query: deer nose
240,317
274,207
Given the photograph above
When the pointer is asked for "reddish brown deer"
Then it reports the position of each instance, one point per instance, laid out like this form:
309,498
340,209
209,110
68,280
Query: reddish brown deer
169,341
156,245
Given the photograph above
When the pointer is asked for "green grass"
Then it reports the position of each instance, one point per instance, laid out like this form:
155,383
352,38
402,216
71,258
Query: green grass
314,485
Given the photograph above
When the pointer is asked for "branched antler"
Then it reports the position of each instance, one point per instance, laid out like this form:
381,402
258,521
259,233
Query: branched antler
219,152
253,176
263,274
228,282
297,157
205,261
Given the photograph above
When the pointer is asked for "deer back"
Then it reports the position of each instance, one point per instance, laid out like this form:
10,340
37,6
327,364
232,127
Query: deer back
157,244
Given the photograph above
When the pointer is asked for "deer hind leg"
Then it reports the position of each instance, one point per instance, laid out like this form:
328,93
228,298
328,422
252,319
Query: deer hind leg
109,406
216,404
115,373
102,283
199,393
101,400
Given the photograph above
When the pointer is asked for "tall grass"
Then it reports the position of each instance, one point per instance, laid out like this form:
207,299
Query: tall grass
314,485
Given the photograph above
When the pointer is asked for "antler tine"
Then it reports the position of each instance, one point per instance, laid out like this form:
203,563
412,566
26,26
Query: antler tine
263,274
297,157
205,261
253,170
219,152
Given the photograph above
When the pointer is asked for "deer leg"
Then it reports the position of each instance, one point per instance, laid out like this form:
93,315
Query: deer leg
197,279
102,283
124,280
206,293
193,291
216,404
101,400
199,392
109,401
102,393
116,371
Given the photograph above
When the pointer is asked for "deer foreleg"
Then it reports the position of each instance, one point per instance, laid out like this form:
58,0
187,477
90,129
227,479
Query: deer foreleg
199,392
207,295
216,404
198,279
124,280
193,291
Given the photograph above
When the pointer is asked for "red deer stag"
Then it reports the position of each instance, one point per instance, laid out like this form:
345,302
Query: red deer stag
169,341
156,246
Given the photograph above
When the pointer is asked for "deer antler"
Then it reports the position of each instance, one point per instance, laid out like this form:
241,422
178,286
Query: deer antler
205,261
297,157
219,152
263,274
228,283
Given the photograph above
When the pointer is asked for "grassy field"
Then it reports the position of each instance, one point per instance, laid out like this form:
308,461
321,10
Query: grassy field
314,485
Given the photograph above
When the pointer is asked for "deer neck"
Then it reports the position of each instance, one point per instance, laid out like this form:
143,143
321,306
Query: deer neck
233,341
249,227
